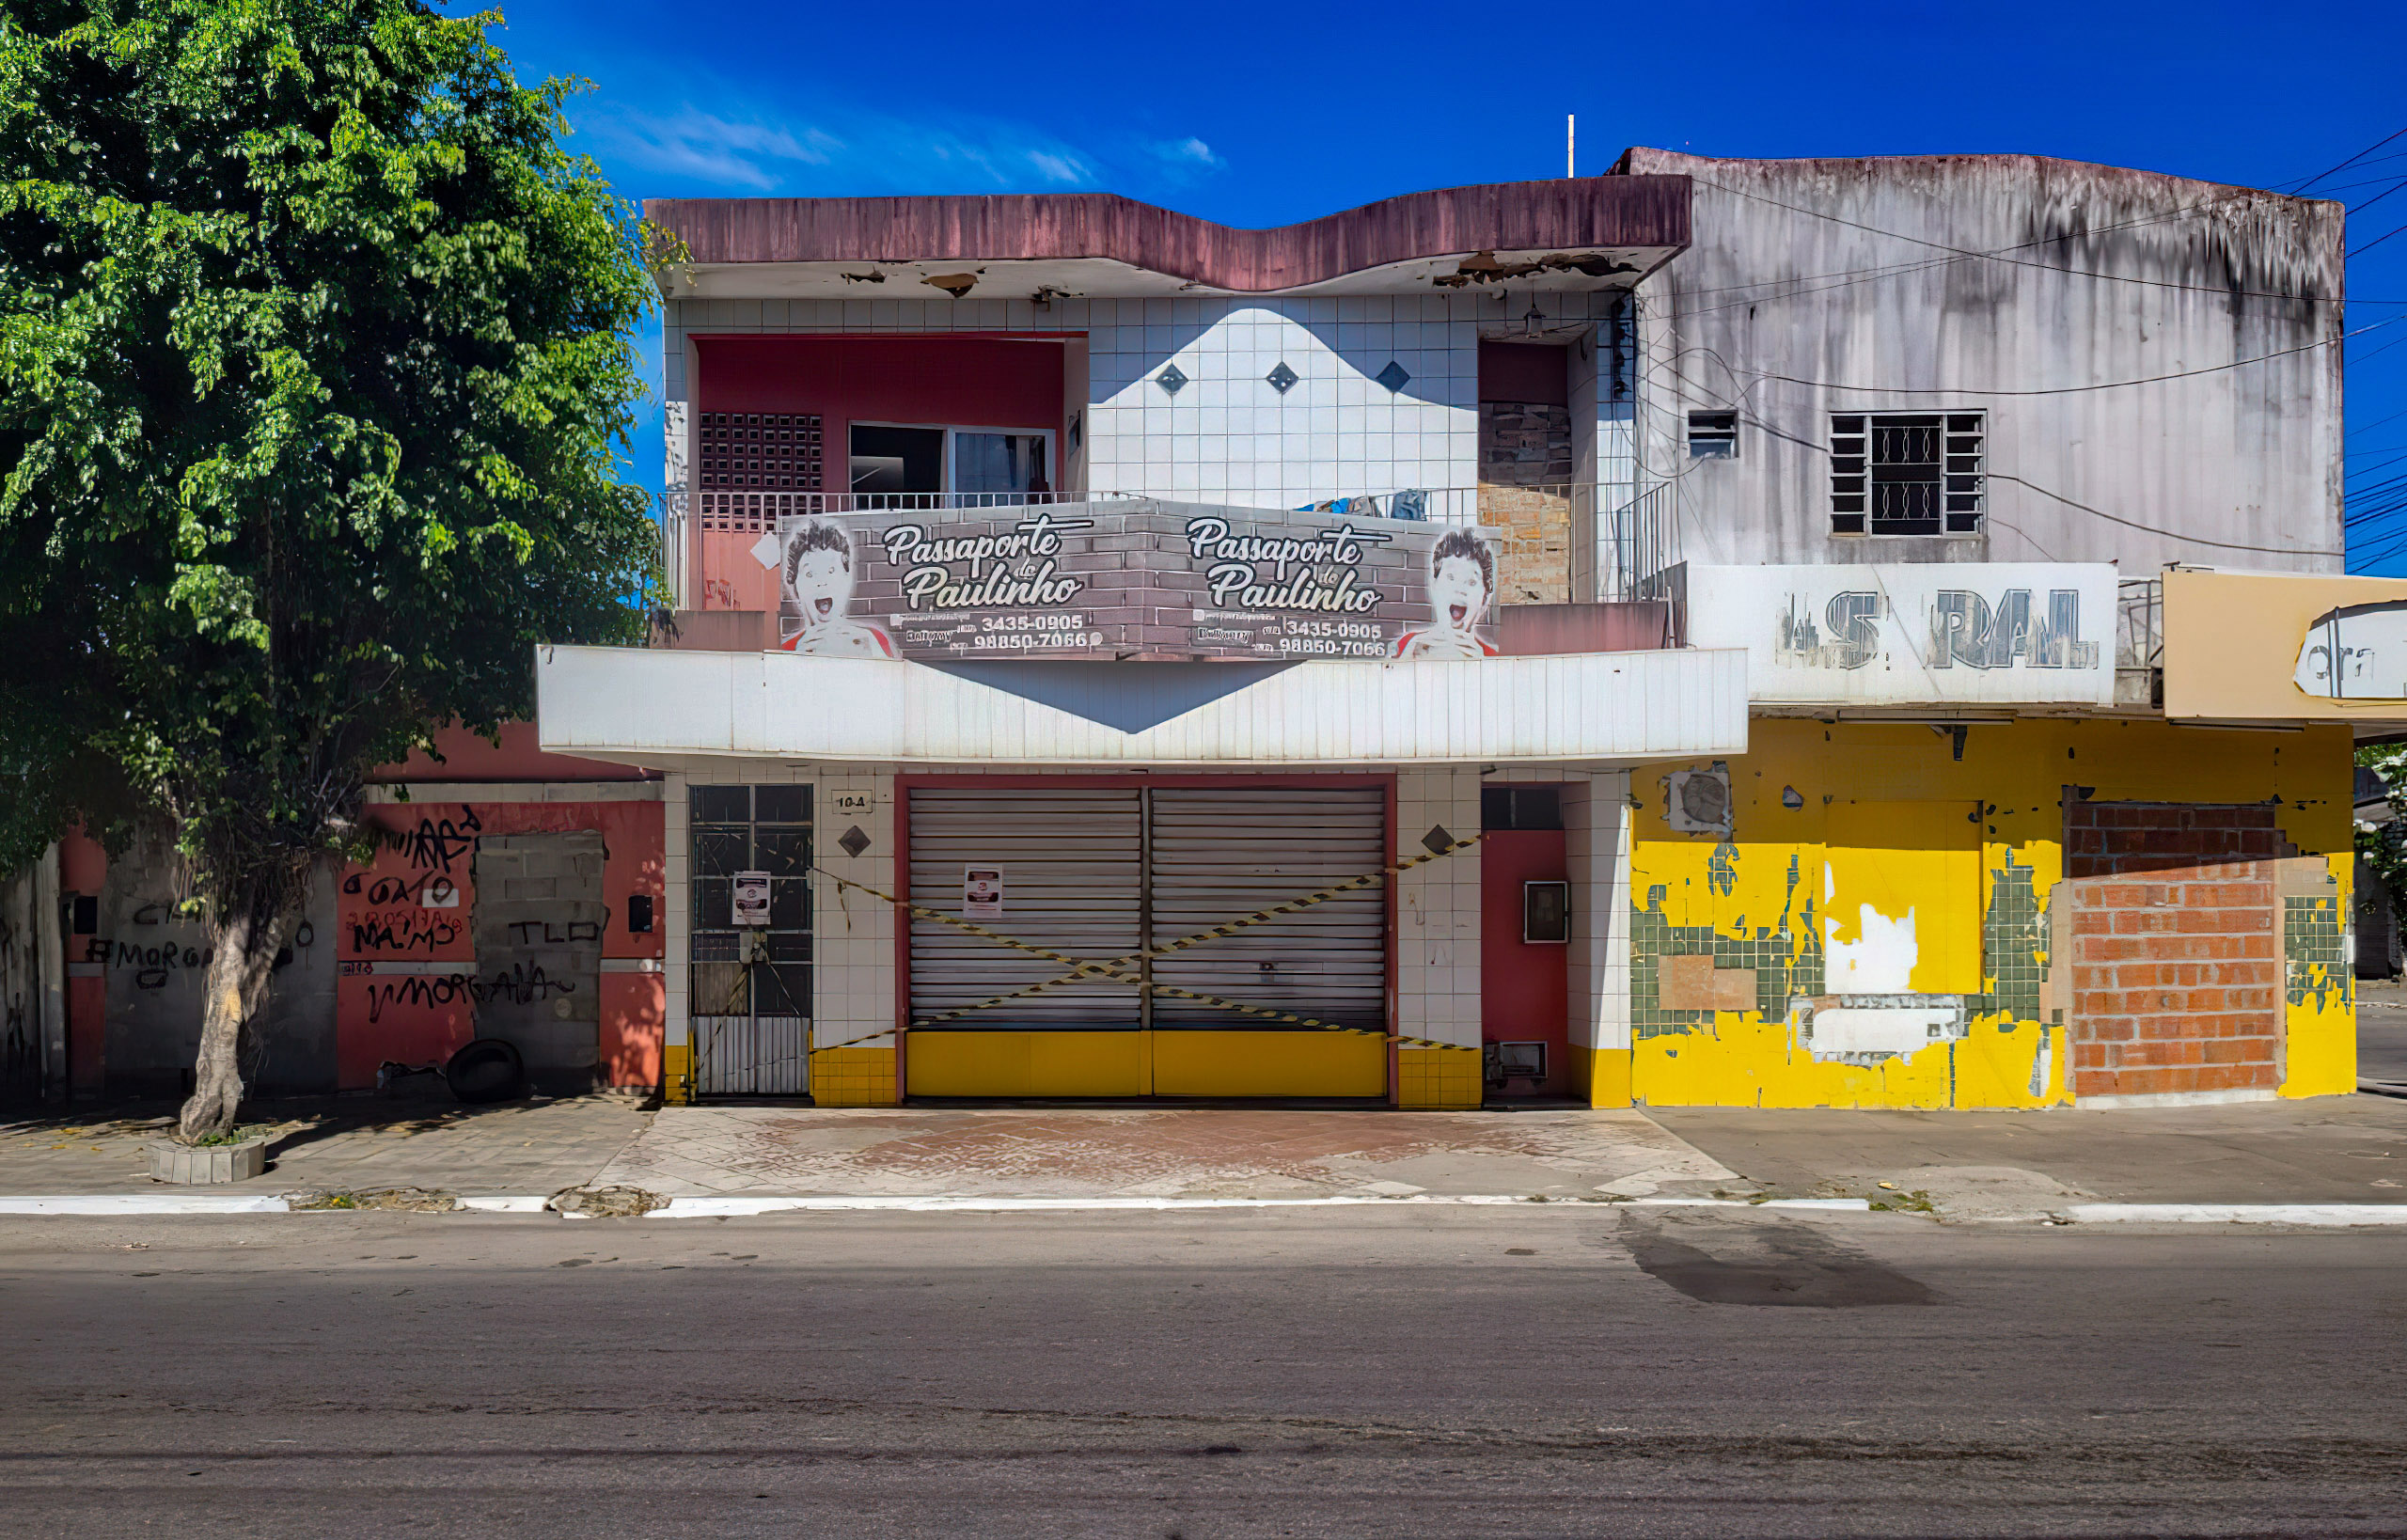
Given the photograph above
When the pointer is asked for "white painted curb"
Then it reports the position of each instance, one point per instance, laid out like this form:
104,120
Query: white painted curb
130,1203
713,1208
148,1203
2314,1213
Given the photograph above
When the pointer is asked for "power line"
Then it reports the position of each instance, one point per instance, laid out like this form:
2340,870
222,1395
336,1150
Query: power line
2073,390
2377,422
2297,188
2359,251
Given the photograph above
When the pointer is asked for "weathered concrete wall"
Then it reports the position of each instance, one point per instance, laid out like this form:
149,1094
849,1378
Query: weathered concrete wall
154,950
1884,909
2008,284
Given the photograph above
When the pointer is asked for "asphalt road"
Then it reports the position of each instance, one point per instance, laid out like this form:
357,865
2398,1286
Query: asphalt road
1530,1371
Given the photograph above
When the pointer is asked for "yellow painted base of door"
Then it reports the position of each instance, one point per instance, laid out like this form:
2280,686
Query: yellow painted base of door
1161,1063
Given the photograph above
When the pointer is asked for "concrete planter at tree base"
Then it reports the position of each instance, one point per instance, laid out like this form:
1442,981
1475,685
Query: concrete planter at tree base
208,1164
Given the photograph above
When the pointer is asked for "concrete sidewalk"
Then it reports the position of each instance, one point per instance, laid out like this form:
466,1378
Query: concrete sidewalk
343,1144
1161,1153
2347,1151
2002,1165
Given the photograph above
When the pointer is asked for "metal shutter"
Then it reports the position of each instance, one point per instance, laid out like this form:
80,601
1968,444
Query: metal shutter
1217,856
1072,882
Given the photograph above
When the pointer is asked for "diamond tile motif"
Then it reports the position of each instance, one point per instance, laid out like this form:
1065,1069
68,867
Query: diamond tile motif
1393,376
853,842
1282,379
1437,840
1171,379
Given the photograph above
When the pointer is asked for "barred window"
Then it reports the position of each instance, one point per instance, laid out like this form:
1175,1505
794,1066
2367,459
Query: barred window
1907,473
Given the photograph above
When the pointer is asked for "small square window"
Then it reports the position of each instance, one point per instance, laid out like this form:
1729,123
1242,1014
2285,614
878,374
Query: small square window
1713,435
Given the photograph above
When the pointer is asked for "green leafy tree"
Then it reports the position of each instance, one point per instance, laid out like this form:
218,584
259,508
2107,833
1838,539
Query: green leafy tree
315,355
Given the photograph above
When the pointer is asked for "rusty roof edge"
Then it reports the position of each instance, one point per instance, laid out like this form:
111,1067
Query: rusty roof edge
1650,212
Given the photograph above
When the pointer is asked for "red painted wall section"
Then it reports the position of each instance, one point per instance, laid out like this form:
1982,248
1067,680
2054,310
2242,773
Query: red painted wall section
83,867
516,758
1524,988
412,907
957,381
967,382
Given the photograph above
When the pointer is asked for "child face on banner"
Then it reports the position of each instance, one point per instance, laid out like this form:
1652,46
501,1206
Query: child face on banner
1457,594
823,586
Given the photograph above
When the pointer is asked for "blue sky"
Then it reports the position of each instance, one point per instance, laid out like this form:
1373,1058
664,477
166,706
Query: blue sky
1263,115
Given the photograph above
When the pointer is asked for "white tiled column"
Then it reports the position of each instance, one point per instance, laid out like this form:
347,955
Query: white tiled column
852,933
1437,908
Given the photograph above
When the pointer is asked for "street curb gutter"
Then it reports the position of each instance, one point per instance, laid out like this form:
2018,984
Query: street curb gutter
131,1203
2308,1214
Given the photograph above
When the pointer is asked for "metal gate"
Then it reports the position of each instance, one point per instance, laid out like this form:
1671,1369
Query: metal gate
1105,875
750,987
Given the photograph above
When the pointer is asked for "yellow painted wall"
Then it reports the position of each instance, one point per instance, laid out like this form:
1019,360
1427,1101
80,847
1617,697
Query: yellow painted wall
677,1073
852,1076
1438,1079
1887,815
1158,1063
1199,1063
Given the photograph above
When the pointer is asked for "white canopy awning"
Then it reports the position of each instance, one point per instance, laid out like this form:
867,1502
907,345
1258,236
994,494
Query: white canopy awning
658,705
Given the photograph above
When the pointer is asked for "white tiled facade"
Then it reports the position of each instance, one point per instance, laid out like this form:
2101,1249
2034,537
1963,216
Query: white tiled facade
1227,435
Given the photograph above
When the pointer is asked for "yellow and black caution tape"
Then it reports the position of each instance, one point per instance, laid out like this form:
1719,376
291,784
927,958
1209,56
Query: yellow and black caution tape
1118,968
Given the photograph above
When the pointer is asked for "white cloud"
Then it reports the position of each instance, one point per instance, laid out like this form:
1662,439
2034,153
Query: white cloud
751,151
1192,150
692,143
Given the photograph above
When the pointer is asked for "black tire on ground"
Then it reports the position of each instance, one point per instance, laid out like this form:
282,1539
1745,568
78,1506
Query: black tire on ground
487,1070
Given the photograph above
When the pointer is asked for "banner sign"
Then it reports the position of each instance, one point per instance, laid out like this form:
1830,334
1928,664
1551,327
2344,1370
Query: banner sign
1130,579
2032,633
2284,647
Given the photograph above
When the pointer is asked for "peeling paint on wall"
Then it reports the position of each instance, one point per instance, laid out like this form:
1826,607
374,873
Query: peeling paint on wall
1880,961
1972,851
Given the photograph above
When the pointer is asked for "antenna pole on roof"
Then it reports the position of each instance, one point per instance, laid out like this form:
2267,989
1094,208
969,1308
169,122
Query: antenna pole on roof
1570,144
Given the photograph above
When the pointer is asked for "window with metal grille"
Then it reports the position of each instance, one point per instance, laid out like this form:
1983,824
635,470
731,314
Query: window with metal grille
1713,435
1907,473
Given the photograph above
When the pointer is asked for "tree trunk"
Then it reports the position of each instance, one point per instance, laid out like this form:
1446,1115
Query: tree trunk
250,926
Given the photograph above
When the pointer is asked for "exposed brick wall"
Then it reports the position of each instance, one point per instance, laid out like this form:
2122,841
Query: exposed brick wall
1524,487
2173,926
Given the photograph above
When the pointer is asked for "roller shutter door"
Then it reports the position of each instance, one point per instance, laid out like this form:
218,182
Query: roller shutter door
1217,856
1072,866
1101,875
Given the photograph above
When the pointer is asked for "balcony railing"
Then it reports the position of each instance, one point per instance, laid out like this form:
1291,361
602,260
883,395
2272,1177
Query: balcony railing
1584,541
2139,641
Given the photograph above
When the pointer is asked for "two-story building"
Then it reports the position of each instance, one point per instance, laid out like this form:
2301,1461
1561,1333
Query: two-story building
1694,635
1820,632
